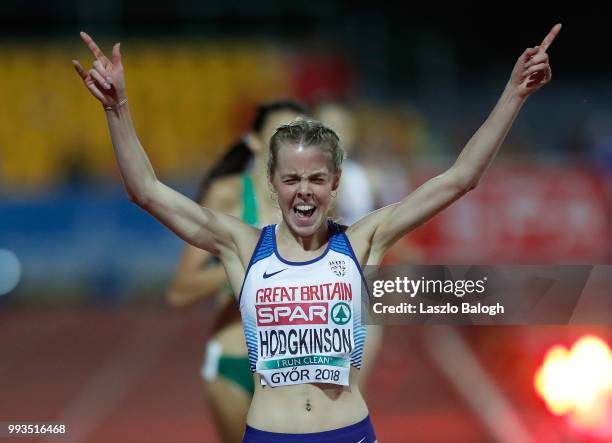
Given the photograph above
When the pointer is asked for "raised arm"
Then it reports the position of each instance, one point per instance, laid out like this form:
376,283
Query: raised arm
201,227
377,232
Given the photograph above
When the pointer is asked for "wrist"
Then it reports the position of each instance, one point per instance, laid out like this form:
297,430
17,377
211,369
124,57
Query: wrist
513,95
115,107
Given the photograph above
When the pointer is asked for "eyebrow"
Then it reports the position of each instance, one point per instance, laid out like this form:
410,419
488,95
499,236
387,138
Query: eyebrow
313,175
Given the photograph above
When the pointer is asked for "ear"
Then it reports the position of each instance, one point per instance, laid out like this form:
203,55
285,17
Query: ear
336,182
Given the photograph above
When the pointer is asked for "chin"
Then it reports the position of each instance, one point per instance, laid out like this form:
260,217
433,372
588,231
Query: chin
306,228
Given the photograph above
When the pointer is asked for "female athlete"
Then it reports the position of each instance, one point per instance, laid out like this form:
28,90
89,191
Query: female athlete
298,282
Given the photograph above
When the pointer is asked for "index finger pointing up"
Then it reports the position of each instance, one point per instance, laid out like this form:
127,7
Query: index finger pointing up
550,37
92,45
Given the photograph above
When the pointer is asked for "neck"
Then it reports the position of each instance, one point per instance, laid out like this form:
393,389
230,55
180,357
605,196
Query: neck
310,243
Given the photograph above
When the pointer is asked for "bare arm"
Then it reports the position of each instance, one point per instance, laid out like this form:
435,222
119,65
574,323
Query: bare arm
376,233
202,227
198,226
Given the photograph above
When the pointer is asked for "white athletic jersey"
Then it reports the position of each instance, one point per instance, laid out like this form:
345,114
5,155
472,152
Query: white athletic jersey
302,320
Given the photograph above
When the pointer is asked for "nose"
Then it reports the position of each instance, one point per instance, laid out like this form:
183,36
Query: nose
304,189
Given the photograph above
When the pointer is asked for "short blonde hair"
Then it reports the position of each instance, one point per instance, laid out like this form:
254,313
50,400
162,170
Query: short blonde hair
306,132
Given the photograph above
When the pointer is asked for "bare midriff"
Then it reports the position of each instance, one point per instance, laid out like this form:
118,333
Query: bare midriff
306,408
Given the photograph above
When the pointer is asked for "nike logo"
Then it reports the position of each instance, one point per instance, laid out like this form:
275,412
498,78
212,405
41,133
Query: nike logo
362,440
273,274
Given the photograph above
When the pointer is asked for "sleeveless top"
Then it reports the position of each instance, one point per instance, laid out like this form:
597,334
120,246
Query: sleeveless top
302,320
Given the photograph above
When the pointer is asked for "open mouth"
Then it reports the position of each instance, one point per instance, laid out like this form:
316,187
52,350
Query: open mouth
304,211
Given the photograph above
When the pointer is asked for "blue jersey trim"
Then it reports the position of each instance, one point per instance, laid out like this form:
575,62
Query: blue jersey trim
354,257
338,244
359,327
262,250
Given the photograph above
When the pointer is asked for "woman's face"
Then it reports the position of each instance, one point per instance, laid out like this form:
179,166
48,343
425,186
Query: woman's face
304,181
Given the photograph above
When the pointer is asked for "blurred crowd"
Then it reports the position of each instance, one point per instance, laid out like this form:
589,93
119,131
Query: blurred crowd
191,98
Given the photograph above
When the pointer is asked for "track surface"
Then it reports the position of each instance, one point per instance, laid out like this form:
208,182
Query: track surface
131,375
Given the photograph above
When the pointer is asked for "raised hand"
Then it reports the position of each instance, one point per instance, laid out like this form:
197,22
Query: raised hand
532,70
105,80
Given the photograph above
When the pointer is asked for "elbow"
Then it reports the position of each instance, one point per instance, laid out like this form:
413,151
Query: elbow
470,185
464,187
139,198
142,193
464,182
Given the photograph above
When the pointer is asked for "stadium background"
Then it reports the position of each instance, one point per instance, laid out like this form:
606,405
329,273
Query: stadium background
85,336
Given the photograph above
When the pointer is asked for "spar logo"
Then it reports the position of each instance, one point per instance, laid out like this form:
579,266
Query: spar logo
341,313
292,314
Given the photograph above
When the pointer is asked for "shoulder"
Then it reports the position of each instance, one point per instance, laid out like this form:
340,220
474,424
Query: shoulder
366,226
235,255
362,235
